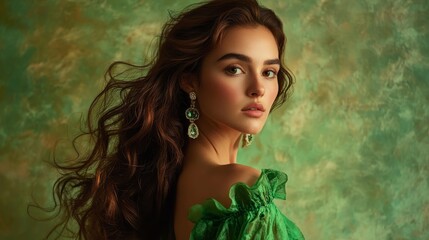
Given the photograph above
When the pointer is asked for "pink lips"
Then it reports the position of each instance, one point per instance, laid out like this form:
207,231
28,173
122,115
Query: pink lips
254,110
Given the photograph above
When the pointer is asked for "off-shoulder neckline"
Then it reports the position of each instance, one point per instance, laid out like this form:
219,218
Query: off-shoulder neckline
231,208
255,185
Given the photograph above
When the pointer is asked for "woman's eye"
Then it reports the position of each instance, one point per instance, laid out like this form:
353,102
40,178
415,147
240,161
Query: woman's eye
233,70
270,74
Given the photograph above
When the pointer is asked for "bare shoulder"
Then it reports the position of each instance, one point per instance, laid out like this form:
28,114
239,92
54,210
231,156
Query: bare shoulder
227,175
234,173
197,185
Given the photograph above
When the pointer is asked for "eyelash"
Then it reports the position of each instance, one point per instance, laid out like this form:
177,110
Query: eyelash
229,70
273,71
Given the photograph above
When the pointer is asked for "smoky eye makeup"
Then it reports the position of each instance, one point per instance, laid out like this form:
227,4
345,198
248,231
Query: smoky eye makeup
270,73
233,70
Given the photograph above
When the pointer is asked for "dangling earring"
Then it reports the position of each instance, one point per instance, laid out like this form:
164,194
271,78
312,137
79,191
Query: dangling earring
192,115
246,140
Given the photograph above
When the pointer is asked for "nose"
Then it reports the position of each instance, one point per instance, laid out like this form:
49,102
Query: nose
256,87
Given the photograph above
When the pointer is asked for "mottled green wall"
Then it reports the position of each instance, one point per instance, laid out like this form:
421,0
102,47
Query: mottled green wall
354,137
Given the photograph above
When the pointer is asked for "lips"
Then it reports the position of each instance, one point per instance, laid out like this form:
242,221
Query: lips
254,110
254,107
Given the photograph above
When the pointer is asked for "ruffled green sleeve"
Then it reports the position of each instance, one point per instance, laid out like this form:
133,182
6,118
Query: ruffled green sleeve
252,214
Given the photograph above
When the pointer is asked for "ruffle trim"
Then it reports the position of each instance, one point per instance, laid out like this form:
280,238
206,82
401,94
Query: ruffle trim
269,185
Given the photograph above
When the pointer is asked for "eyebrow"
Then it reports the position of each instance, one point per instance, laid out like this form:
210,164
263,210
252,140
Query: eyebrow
245,58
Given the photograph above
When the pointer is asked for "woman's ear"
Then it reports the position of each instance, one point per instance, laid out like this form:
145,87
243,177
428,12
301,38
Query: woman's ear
188,82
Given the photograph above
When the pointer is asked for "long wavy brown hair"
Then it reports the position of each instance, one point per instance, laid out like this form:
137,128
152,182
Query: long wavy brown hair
125,185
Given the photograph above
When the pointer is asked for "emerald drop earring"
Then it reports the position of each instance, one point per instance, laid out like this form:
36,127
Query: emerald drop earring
192,115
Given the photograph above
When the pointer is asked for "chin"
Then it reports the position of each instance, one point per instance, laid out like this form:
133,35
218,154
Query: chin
250,127
252,130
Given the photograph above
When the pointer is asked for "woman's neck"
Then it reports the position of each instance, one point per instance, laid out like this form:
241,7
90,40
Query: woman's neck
214,146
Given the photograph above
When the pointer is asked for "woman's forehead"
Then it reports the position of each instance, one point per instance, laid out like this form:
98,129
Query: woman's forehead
252,41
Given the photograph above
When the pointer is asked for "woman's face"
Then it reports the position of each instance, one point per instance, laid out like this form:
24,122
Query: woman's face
238,80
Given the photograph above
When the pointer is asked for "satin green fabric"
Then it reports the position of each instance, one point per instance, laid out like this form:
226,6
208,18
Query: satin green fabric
252,214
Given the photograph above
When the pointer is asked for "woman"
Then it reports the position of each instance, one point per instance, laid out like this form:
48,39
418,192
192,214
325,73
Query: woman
163,163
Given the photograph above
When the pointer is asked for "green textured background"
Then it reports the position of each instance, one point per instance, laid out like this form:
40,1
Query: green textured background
354,137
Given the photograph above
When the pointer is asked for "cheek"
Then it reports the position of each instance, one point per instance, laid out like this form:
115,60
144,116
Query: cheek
220,90
274,89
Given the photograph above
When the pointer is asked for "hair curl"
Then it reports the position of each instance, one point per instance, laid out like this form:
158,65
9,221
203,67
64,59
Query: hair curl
125,186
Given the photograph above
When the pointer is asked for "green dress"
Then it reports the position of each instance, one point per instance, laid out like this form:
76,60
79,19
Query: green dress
252,214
